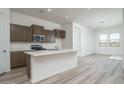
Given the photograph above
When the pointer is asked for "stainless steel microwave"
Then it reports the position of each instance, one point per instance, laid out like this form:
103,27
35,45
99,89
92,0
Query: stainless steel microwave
39,38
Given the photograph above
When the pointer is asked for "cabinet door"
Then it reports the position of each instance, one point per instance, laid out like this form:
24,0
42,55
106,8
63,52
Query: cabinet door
37,30
60,33
28,34
17,59
17,33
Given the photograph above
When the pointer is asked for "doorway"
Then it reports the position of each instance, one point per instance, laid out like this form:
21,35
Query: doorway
77,40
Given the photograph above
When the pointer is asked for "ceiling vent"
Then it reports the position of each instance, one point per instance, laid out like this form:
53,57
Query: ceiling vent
41,11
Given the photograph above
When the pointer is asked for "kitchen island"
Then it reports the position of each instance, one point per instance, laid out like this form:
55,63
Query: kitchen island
45,63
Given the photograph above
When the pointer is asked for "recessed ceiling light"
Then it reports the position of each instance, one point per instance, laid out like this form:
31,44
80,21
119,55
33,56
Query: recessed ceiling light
67,17
49,9
101,22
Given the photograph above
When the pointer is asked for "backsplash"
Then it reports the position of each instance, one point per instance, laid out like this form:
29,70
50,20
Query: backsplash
27,46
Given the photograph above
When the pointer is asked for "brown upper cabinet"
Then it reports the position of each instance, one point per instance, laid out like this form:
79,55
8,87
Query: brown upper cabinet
59,33
37,30
20,33
50,36
28,34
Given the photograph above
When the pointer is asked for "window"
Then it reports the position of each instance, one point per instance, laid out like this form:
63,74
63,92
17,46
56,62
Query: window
114,40
103,40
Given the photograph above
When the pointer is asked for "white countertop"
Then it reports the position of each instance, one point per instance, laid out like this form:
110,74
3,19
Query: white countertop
49,52
26,50
16,50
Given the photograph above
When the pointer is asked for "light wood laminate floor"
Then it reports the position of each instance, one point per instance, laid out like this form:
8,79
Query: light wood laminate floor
93,69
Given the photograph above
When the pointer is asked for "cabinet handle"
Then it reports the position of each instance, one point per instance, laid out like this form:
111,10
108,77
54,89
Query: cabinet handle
4,51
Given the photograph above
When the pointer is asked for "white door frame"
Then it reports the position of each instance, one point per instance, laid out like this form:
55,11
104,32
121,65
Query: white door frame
2,45
4,40
79,32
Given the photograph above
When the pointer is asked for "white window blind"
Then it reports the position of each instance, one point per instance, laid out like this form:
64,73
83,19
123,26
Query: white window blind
103,40
114,40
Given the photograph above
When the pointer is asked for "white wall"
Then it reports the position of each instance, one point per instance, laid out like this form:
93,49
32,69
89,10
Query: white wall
21,19
26,20
123,37
67,42
6,34
109,51
87,38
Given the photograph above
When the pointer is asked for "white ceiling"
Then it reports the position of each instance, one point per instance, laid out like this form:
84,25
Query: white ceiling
89,17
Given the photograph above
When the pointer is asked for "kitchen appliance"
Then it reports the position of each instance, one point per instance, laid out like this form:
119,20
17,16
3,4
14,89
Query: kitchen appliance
39,38
37,47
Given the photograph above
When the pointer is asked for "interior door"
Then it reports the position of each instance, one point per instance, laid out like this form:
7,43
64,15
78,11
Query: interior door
2,44
77,40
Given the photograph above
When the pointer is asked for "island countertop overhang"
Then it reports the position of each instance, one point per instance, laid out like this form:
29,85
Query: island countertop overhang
49,52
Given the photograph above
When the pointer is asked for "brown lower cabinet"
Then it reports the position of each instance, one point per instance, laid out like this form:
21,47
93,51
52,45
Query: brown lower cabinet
18,59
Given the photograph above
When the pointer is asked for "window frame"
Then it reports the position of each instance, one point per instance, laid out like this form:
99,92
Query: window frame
103,40
114,39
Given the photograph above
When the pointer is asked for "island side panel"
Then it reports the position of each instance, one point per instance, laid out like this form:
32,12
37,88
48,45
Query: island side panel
28,66
43,67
